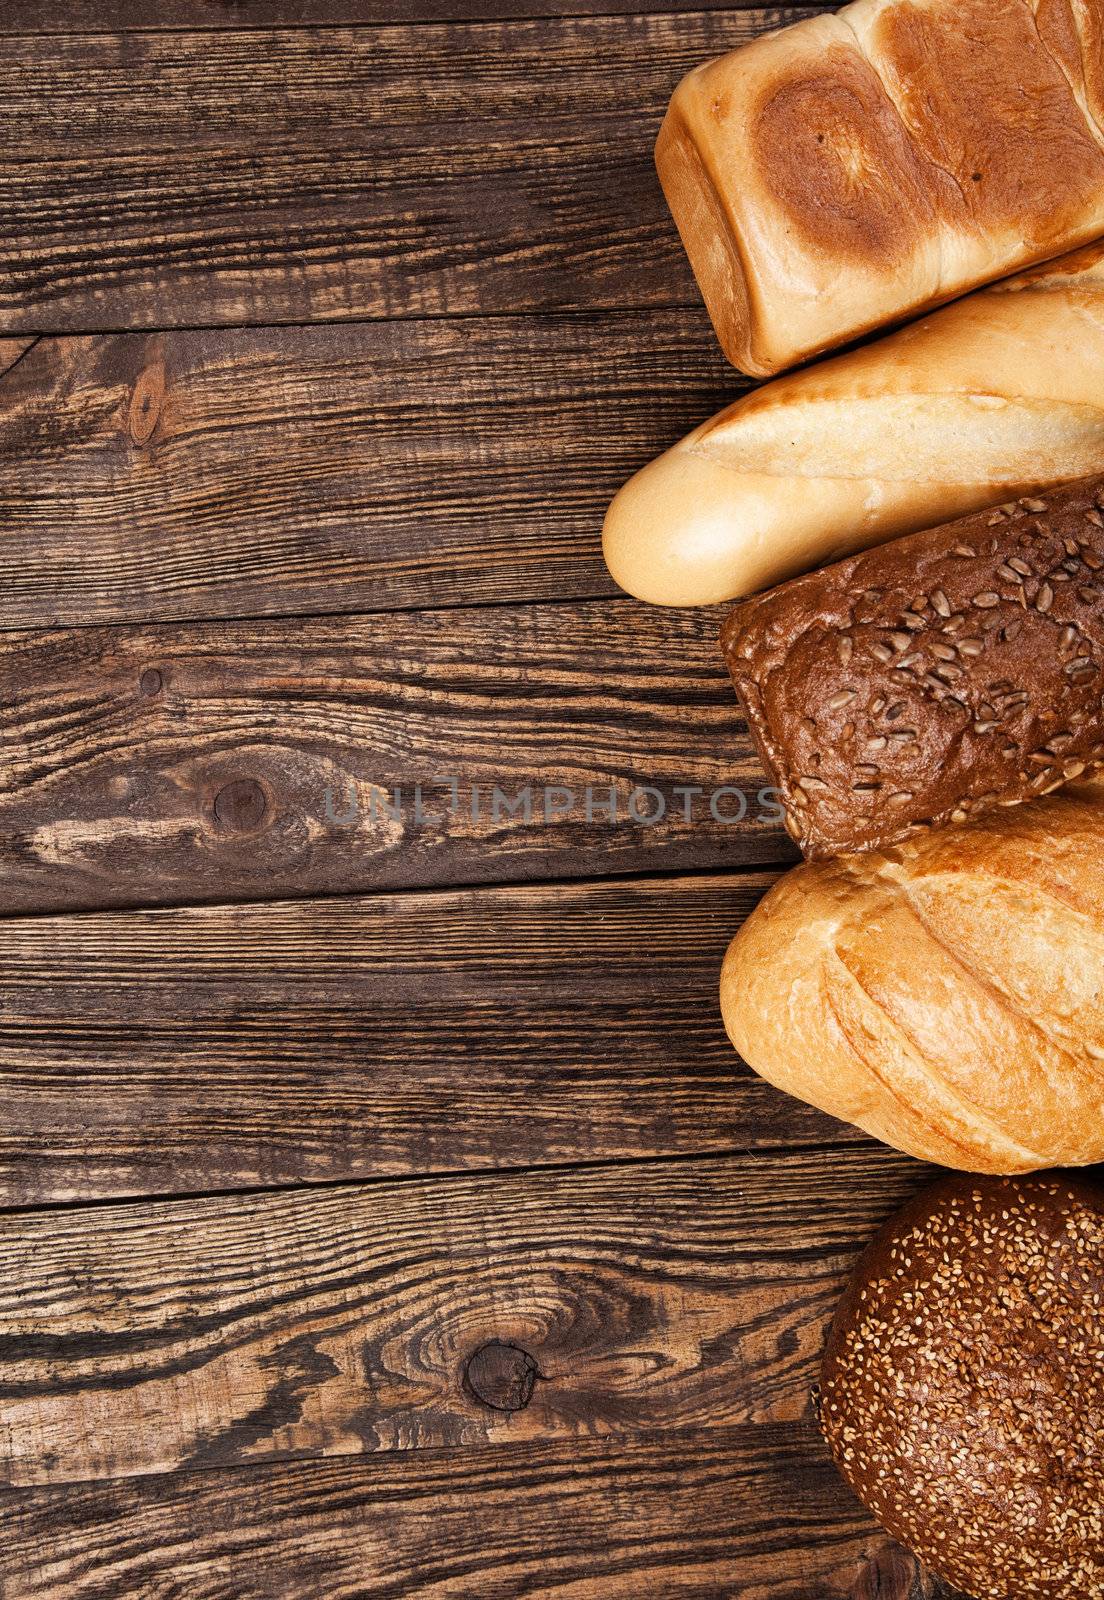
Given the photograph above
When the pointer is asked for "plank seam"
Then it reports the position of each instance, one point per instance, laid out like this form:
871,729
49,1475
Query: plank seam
481,1175
806,7
216,620
35,339
518,314
672,875
801,1428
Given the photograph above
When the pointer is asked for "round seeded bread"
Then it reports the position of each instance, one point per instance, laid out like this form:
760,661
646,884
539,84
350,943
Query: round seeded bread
962,1393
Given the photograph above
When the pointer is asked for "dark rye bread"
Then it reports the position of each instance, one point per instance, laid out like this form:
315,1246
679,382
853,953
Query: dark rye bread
962,1391
931,679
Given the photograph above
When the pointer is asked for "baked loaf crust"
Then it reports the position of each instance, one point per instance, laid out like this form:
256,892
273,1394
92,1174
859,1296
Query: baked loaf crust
963,1385
945,996
853,170
986,400
938,677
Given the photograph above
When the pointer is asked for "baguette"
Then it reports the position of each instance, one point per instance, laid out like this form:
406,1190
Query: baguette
937,677
946,997
854,170
989,399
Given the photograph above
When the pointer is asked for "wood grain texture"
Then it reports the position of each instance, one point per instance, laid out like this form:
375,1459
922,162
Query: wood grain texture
573,1383
128,16
235,1330
358,467
727,1514
11,351
146,1053
255,760
155,180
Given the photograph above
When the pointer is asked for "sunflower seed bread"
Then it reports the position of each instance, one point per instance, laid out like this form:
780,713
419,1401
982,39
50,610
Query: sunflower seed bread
933,679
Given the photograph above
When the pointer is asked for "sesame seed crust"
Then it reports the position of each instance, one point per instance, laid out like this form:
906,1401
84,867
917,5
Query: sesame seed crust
962,1392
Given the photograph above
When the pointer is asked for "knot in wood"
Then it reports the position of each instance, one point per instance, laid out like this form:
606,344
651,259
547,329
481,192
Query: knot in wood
890,1573
151,681
145,402
240,806
502,1376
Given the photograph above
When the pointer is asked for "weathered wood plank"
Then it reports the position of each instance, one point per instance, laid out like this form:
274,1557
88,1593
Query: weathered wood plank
130,16
757,1513
455,1312
153,180
255,760
356,467
229,1047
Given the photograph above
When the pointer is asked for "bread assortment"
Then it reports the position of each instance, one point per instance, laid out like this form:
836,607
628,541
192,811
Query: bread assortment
962,1391
932,679
857,169
947,997
989,399
924,682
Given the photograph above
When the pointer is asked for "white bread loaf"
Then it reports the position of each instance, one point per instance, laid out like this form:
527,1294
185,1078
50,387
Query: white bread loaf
854,170
993,397
947,996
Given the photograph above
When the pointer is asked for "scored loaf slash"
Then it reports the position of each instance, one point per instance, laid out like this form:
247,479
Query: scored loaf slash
934,678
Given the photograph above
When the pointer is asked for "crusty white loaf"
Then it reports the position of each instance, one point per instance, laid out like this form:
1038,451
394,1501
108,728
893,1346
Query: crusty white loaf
947,996
853,170
993,397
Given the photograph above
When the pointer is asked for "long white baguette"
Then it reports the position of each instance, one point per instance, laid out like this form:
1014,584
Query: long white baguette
989,398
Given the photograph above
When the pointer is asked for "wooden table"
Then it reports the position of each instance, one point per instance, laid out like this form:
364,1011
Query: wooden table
385,1213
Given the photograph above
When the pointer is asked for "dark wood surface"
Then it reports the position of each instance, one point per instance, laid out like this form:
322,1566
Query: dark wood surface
279,1044
383,1212
131,16
233,1330
193,178
292,470
685,1517
12,351
237,760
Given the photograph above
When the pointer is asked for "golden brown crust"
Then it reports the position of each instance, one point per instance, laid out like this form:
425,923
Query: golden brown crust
827,140
962,1392
706,231
982,402
869,166
945,996
1023,153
